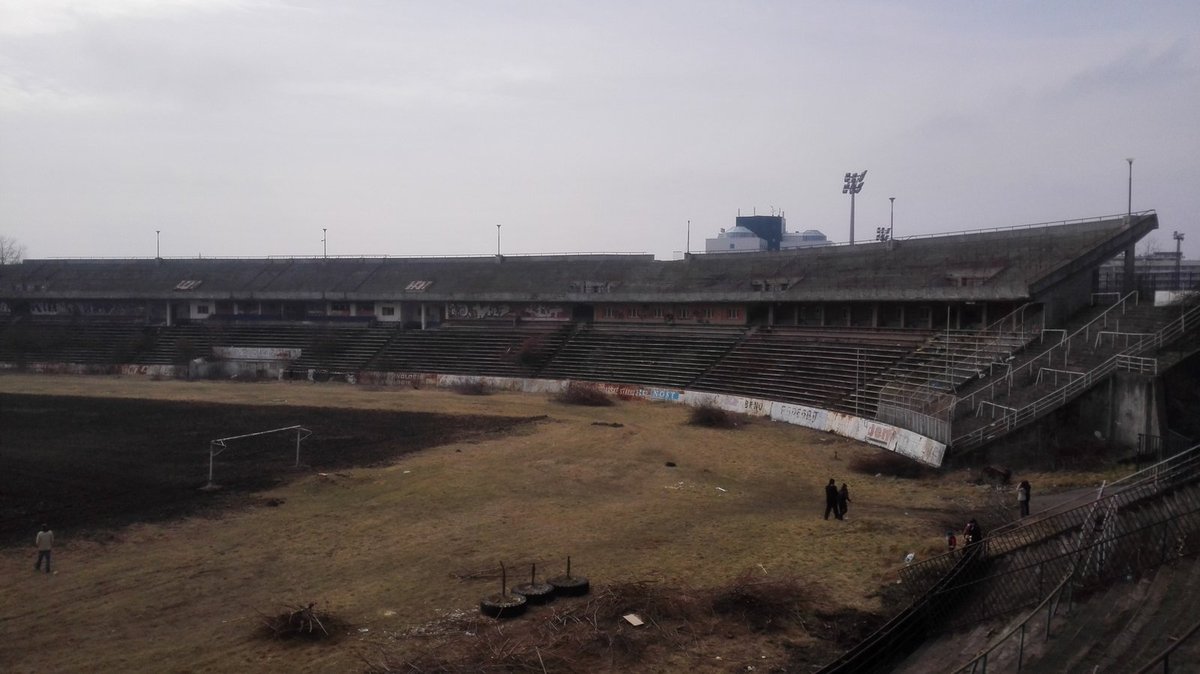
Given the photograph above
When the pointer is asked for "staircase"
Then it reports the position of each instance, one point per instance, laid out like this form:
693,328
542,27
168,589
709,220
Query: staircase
1066,364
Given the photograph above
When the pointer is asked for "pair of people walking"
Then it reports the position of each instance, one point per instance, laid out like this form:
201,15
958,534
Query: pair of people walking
836,501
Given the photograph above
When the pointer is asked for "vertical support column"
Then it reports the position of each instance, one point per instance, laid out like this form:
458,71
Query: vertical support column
422,315
1128,283
875,315
771,314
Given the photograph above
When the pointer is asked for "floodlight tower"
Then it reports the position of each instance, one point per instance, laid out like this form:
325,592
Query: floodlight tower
1178,257
852,186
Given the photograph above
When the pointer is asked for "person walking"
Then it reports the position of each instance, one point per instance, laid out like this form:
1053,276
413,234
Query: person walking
45,541
972,534
843,500
1023,497
831,500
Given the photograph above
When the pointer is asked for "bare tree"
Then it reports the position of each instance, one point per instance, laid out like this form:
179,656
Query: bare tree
11,250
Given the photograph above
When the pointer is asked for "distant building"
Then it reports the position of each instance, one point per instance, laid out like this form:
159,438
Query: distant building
1155,271
762,232
809,237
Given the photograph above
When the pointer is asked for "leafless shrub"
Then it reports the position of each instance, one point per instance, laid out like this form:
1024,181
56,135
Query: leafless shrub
583,395
302,622
711,416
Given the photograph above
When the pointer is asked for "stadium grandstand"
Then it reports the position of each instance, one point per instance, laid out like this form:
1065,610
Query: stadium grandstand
917,345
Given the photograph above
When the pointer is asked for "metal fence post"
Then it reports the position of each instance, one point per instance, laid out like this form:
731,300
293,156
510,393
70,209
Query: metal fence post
1021,650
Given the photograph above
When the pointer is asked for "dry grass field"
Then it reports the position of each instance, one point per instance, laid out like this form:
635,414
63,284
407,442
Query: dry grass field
401,551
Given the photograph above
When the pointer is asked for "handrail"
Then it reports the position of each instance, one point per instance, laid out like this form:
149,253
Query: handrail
1187,459
992,335
1165,656
1117,361
1064,343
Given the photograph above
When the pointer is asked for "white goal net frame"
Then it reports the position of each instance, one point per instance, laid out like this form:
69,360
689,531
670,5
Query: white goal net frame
217,446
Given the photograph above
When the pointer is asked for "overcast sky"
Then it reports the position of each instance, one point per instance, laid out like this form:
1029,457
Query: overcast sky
243,127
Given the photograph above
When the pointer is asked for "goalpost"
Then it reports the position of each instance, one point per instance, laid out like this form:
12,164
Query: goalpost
217,446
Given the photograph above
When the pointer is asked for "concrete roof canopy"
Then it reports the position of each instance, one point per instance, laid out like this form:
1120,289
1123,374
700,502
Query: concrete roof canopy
1003,264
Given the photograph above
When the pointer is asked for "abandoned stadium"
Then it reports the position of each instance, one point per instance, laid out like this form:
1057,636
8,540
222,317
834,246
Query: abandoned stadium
950,350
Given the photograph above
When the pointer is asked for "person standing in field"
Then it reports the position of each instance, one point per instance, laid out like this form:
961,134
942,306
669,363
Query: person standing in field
1023,497
831,500
45,541
843,500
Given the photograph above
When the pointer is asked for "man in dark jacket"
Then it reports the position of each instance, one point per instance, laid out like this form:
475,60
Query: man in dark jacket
831,499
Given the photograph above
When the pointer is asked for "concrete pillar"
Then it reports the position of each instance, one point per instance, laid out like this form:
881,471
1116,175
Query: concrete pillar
1128,283
875,315
170,318
422,315
903,318
771,314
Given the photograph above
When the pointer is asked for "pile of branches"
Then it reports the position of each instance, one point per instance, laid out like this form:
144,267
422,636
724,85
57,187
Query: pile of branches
591,635
302,622
711,416
582,395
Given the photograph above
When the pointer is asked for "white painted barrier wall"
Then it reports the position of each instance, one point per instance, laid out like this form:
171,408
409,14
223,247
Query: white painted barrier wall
892,438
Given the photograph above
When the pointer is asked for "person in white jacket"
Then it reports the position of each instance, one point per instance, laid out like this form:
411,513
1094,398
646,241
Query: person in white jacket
45,542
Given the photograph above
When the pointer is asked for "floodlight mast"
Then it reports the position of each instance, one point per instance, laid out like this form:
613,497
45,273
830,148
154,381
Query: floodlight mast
852,185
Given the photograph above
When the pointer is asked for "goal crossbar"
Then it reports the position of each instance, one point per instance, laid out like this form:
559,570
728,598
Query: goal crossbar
217,446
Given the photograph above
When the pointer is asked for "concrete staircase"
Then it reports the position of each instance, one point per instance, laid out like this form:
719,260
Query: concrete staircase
1066,364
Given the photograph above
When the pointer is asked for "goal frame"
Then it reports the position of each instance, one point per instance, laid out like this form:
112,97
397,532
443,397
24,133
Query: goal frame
217,446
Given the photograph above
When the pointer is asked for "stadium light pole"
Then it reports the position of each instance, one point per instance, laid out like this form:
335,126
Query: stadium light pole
497,240
853,185
892,219
324,242
157,248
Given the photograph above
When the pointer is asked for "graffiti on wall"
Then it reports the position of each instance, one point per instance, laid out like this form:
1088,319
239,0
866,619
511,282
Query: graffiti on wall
487,311
86,309
634,391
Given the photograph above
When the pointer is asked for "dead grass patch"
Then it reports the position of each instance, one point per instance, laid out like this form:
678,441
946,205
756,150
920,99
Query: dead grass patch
592,635
882,462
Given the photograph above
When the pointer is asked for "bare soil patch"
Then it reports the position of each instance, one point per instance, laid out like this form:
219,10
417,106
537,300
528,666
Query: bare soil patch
83,463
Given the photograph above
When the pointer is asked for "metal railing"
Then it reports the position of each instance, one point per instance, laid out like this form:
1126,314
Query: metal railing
1164,658
1127,359
1053,521
897,391
958,575
1063,347
1104,548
